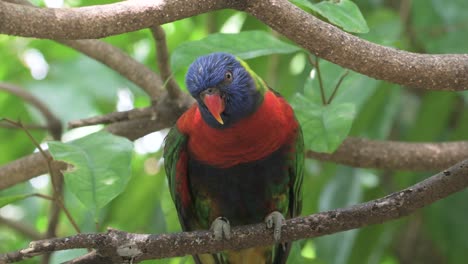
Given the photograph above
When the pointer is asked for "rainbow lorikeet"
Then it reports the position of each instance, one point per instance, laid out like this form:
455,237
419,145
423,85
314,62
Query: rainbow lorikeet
235,157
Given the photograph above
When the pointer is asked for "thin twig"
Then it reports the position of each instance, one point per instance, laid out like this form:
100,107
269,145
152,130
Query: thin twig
53,123
115,117
121,245
319,76
55,208
27,126
162,55
43,196
337,86
33,140
55,175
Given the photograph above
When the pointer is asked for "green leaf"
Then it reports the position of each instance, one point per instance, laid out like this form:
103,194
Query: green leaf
445,231
440,26
342,13
245,45
324,127
11,199
343,190
101,167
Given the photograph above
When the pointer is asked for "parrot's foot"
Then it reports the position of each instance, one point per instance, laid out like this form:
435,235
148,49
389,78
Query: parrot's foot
221,228
275,220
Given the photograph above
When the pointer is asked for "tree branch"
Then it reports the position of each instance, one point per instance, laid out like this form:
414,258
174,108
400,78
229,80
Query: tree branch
395,155
53,123
24,169
93,22
163,61
162,115
435,72
166,112
115,117
122,63
27,126
138,247
356,152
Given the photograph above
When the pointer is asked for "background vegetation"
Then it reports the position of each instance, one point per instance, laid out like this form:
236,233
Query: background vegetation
74,87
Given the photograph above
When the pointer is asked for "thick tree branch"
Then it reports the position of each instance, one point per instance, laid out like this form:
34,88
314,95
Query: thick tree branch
395,155
53,123
24,169
162,55
122,63
436,72
142,246
99,21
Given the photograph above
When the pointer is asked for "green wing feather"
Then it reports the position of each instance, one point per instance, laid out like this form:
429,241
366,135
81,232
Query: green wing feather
296,170
297,173
175,145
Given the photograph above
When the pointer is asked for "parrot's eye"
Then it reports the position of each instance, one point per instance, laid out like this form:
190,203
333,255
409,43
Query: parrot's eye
228,76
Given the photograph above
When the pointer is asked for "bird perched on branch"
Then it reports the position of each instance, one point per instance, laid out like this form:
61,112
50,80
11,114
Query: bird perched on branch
235,157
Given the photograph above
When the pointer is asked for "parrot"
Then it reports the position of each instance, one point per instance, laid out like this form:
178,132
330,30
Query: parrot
235,157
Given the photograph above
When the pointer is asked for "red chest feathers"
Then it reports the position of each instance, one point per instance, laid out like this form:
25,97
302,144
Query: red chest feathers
250,139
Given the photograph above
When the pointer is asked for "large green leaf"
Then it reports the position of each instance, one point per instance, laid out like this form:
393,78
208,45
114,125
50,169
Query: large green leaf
245,45
101,167
342,13
146,191
324,126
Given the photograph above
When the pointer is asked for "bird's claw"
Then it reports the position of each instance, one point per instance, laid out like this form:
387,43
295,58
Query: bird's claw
275,220
221,228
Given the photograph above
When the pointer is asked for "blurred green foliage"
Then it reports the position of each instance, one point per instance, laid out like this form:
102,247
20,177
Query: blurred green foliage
77,87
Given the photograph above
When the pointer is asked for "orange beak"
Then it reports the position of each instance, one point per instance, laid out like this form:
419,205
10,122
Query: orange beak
215,105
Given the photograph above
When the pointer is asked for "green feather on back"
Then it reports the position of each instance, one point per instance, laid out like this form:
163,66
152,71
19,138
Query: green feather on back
260,84
298,174
175,142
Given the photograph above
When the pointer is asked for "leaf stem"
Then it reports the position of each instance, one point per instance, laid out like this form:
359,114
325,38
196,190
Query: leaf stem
319,76
337,86
57,194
